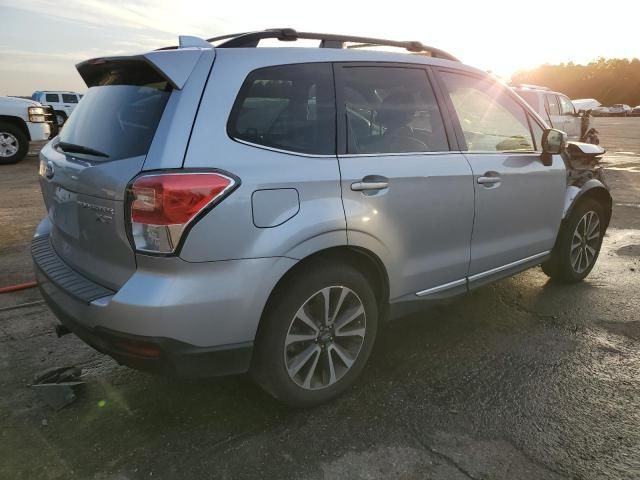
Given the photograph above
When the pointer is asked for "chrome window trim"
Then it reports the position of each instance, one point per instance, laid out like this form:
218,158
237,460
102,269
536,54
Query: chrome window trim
440,288
397,154
499,152
279,150
487,273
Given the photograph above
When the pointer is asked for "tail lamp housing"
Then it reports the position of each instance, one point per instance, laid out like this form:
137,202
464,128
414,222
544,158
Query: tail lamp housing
163,206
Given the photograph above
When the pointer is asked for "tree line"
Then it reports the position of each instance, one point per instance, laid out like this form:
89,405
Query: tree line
615,80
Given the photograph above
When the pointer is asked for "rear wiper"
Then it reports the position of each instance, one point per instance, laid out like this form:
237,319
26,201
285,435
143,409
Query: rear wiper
73,148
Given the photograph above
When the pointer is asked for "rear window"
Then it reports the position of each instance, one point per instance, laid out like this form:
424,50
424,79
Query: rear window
52,98
69,98
287,107
119,117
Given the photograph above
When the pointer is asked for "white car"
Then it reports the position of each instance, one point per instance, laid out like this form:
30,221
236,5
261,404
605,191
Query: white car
63,103
22,121
619,110
635,112
555,108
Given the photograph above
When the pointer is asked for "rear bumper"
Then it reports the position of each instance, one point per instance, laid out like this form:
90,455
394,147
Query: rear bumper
158,355
171,316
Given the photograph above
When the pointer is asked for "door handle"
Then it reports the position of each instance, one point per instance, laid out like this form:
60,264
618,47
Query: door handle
370,182
489,178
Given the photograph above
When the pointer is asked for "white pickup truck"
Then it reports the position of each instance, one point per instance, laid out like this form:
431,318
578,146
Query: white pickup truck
23,121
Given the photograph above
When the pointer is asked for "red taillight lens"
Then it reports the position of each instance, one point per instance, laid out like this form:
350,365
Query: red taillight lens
174,199
162,205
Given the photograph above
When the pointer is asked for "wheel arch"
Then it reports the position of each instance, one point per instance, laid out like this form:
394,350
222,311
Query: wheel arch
18,122
591,189
362,259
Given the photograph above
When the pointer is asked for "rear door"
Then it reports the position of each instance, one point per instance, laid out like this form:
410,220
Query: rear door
69,102
519,201
407,196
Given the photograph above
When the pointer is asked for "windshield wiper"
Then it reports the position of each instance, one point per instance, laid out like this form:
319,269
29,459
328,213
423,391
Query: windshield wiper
73,148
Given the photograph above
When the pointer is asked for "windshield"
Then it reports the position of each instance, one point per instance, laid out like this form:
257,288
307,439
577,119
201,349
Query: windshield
119,121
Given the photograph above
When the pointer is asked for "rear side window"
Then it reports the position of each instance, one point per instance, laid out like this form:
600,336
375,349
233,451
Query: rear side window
552,104
490,118
69,98
391,110
119,117
52,98
287,107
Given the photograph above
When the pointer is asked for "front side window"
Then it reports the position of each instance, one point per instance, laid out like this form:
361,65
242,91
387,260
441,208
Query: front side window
566,106
491,119
69,98
391,110
52,98
287,107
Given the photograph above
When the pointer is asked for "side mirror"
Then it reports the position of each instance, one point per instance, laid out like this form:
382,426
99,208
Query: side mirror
553,143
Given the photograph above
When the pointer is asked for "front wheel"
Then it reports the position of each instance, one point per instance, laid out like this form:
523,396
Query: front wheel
578,244
14,144
316,334
61,118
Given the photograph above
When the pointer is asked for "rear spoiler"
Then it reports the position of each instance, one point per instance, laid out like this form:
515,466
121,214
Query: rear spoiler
174,66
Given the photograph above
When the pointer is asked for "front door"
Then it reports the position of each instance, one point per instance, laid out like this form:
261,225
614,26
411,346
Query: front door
406,196
519,201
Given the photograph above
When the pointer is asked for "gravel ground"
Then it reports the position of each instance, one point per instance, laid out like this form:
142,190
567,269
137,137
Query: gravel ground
523,379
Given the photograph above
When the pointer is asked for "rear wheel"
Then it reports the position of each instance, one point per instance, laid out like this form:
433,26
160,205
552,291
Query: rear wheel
14,144
578,244
316,335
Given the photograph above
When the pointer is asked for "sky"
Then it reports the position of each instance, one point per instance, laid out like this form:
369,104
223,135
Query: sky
41,41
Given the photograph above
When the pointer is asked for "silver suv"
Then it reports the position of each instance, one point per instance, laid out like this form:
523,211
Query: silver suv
217,210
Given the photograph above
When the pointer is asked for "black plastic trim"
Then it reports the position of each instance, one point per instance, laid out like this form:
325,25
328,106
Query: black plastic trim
64,277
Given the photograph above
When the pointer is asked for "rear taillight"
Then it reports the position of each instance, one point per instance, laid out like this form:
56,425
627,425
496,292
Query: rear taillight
163,205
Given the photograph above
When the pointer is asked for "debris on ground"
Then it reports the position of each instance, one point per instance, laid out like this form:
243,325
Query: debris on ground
55,386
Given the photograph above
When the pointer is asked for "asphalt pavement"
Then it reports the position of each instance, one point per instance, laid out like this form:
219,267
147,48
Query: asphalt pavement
522,379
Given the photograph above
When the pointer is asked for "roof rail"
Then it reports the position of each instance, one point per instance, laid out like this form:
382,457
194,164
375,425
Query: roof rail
327,40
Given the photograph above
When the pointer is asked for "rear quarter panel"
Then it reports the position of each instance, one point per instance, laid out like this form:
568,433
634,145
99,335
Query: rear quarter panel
228,231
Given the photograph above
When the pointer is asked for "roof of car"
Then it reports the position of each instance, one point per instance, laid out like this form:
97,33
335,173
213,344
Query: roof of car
284,55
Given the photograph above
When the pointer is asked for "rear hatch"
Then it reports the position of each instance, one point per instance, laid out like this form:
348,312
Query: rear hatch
84,172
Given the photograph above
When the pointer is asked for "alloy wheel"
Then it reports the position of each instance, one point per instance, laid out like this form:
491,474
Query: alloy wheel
584,243
8,144
325,337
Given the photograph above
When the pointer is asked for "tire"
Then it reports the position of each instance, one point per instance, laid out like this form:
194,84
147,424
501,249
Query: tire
14,143
61,118
303,296
571,265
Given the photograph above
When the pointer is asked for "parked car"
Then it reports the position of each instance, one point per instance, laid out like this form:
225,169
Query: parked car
619,110
63,103
635,112
22,121
585,104
305,195
600,111
559,111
